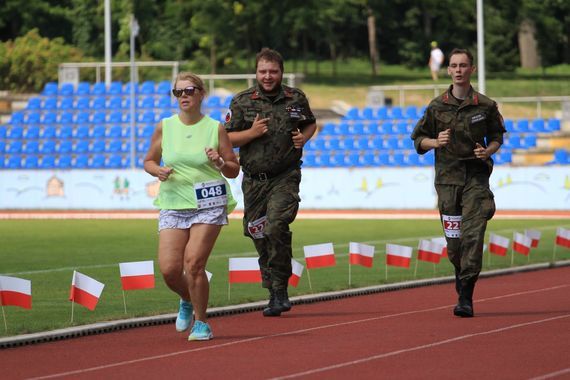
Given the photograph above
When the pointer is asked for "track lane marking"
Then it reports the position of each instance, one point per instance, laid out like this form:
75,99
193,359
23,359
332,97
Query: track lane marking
301,331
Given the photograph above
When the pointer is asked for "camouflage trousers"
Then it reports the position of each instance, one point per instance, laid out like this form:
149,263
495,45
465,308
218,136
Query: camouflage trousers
269,207
464,212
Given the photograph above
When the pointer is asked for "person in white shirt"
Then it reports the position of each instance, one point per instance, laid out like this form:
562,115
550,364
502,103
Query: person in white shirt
436,58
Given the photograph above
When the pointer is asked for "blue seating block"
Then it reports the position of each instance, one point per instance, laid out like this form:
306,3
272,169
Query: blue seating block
47,147
47,162
50,89
64,161
83,88
14,162
31,162
65,146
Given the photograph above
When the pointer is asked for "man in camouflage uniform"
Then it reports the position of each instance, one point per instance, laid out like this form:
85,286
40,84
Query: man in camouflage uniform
271,123
465,128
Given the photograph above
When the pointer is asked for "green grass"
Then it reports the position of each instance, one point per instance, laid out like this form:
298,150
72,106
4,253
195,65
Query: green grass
47,251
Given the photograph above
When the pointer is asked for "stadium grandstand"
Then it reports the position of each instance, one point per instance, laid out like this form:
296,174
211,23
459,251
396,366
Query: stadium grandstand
88,126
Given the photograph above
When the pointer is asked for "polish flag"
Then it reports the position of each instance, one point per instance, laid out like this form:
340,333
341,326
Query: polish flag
430,251
443,242
534,235
361,254
498,245
137,275
244,270
15,291
563,237
522,244
398,255
297,273
85,290
319,255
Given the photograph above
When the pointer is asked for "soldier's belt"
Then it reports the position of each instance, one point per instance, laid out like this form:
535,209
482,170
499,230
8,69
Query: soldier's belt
264,176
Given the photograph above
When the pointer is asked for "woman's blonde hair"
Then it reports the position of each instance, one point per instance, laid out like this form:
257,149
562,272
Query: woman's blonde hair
191,77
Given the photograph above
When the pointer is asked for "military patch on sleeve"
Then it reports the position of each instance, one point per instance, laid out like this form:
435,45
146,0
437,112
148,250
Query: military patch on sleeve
229,116
478,117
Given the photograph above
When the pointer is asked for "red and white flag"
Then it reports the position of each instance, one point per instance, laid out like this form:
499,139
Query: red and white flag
443,242
361,254
85,290
398,255
498,245
430,251
319,255
297,273
534,235
244,270
137,275
522,244
15,291
563,237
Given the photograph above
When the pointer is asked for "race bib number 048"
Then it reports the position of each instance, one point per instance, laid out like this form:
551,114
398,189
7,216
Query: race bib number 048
452,225
211,194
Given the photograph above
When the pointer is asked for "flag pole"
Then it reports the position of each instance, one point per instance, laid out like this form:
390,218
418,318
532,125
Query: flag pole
386,272
124,302
416,269
4,317
434,269
309,278
512,257
554,252
349,272
72,304
229,289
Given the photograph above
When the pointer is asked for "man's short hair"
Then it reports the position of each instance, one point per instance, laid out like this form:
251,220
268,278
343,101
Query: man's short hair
270,55
462,51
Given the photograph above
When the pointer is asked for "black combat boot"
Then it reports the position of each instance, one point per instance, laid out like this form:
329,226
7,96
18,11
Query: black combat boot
272,310
283,299
464,307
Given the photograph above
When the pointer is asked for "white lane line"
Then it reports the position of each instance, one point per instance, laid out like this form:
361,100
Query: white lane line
302,331
552,375
417,348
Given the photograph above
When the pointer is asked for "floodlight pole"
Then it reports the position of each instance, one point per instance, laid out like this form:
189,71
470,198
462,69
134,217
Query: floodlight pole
107,43
134,32
480,48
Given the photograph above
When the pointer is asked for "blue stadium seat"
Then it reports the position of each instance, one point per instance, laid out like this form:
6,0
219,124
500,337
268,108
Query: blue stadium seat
99,118
99,103
164,102
227,101
47,162
50,104
356,129
216,115
82,146
561,157
361,142
146,131
147,87
31,147
16,132
332,143
115,117
328,129
397,159
34,104
66,89
348,143
98,89
406,143
64,146
83,118
17,118
81,132
115,88
372,129
147,102
411,112
553,125
368,113
383,159
323,160
115,103
427,159
351,160
98,161
50,89
98,146
367,159
538,126
31,162
309,160
64,161
32,132
509,125
127,88
165,114
396,113
14,146
3,131
336,159
66,104
115,131
412,159
14,162
66,118
382,113
115,161
82,103
529,141
47,147
49,118
352,114
316,144
390,143
521,125
83,89
386,128
126,131
126,147
34,118
143,145
342,129
48,132
163,87
115,146
81,161
65,132
401,128
146,117
2,147
2,162
377,142
213,101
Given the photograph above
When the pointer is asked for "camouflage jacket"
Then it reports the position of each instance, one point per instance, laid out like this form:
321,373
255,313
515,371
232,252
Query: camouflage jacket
475,120
273,152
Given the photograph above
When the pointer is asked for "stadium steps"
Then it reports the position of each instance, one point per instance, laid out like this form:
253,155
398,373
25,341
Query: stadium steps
530,158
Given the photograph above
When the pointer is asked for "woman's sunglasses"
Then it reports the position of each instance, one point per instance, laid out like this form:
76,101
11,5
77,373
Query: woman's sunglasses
188,91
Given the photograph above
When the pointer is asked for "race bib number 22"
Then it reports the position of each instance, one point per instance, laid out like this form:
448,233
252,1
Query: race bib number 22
452,225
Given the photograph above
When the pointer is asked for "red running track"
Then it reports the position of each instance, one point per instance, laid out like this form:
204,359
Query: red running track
521,331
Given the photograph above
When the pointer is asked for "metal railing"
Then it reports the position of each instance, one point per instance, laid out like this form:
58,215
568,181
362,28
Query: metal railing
69,72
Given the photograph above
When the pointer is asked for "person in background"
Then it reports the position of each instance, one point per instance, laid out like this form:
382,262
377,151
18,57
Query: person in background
436,59
270,123
465,129
194,198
